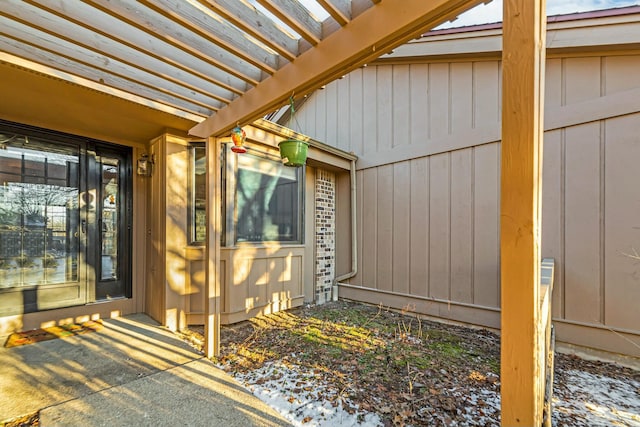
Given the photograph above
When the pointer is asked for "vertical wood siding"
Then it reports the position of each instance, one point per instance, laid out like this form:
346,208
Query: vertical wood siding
439,226
620,228
260,280
428,226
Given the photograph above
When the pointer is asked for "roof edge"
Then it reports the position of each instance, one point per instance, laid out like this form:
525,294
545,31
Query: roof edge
576,16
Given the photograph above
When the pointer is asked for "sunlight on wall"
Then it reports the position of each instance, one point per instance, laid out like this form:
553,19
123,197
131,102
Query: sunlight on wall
262,279
10,324
249,303
48,324
280,301
285,275
176,274
174,319
82,319
241,271
78,319
198,277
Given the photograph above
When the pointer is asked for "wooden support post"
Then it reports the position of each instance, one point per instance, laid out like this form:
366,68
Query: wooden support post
522,336
212,300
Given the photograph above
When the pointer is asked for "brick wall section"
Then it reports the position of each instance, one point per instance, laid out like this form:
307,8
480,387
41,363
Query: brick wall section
325,234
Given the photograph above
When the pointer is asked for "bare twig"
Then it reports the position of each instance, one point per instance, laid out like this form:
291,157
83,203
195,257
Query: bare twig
622,336
634,255
380,306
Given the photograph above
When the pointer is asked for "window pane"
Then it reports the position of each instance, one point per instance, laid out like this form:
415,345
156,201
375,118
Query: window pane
11,162
38,217
198,195
56,170
109,220
267,200
34,164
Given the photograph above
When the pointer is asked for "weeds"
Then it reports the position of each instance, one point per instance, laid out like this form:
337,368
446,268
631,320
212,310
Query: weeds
386,361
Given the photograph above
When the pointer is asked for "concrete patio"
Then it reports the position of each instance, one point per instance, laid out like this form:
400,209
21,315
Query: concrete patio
130,372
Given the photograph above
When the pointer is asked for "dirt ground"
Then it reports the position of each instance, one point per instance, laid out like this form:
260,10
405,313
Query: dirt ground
407,370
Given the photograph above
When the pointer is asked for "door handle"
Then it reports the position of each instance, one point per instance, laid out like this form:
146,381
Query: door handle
83,226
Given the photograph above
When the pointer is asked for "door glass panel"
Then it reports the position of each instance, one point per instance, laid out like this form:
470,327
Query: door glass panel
39,213
109,226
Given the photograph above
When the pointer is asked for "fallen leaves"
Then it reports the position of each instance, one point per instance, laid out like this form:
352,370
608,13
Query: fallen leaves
372,359
365,359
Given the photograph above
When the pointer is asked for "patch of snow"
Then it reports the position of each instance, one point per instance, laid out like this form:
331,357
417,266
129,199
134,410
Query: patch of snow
597,400
482,407
304,397
300,396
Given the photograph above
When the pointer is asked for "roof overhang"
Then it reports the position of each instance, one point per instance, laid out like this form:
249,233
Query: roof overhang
48,101
612,29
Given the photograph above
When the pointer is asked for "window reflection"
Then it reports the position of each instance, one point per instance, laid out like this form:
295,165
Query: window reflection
268,200
39,213
198,194
109,218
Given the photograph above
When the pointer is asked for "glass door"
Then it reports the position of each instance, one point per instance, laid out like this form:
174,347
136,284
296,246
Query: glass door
113,225
41,212
65,221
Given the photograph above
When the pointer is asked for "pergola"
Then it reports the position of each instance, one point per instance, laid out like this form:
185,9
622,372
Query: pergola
209,65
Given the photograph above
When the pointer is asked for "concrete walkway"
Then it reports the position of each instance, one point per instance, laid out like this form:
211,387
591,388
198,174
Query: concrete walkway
129,373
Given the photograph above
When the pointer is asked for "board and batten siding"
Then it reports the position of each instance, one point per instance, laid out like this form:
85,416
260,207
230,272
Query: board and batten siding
427,136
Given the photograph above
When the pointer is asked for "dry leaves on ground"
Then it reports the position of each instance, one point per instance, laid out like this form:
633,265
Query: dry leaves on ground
406,370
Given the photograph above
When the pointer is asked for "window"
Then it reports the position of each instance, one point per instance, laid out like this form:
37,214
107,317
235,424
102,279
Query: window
197,194
268,199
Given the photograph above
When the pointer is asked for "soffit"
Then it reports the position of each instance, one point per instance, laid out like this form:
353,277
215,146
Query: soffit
41,100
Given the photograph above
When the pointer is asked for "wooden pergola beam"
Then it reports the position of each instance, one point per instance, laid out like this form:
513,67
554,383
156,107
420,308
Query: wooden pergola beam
522,332
340,10
373,33
248,19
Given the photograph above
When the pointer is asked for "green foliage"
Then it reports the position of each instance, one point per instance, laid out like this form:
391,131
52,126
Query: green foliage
49,261
24,261
5,264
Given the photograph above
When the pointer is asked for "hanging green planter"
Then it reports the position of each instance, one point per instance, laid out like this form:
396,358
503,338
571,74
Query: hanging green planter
293,152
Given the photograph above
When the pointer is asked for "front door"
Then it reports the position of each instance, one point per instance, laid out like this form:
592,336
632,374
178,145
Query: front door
112,241
64,221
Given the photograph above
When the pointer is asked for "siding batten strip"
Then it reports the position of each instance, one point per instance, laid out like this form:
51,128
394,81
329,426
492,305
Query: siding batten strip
429,213
603,138
563,216
522,337
473,223
602,206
